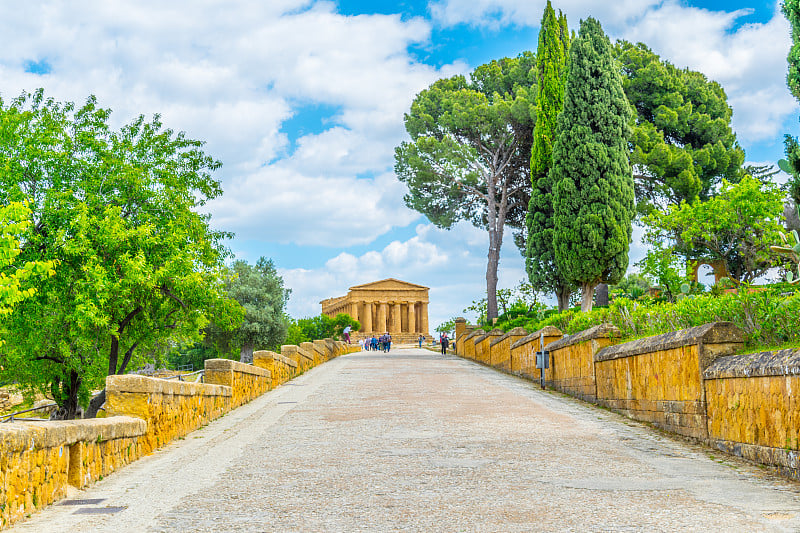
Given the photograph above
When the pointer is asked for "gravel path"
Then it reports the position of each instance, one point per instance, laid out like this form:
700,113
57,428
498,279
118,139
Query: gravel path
413,441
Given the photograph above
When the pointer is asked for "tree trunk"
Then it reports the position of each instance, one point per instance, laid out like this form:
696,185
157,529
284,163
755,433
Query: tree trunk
491,280
587,293
95,404
69,409
601,294
246,353
562,295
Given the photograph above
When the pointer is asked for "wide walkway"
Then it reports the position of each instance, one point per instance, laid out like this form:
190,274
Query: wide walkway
413,441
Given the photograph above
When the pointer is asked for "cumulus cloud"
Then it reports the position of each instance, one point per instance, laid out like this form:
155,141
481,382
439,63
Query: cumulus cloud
232,75
748,60
452,263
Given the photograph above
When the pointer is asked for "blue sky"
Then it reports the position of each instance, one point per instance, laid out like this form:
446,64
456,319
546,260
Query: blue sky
303,102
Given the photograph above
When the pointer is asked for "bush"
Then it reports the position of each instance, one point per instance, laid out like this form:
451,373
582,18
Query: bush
767,316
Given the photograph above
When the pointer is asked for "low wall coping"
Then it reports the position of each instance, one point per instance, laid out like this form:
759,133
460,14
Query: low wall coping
141,384
547,331
494,333
476,333
601,331
236,366
18,436
711,333
516,332
776,363
266,354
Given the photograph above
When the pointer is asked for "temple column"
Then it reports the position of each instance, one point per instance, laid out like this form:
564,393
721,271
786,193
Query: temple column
354,311
396,321
367,317
412,318
381,325
424,317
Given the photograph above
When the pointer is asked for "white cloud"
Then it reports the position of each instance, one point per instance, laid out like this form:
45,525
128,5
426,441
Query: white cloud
749,61
452,263
232,74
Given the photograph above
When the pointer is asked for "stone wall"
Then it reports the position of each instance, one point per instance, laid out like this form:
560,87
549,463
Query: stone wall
500,349
171,408
660,379
752,408
572,361
247,382
281,368
687,382
40,460
523,351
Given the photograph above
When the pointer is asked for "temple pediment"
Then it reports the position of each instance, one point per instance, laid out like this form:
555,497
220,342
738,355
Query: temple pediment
388,284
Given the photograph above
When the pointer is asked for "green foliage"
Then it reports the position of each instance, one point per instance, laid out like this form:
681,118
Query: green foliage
791,249
738,227
319,327
791,8
632,287
593,196
682,142
194,354
16,280
551,66
448,326
469,154
259,290
767,316
137,267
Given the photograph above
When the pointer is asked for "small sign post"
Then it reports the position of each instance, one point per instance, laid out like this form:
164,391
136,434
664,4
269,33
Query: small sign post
542,360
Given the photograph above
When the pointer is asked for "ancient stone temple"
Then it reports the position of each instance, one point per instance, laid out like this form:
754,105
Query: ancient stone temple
399,307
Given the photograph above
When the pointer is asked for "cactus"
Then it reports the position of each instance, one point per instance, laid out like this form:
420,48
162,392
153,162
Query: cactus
791,249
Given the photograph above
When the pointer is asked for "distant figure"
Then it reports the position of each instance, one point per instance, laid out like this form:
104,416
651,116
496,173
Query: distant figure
361,344
421,339
387,342
445,342
346,333
374,343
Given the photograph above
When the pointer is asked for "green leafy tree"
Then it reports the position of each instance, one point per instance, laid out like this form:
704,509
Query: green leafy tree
551,66
320,327
632,286
682,144
259,290
738,226
593,196
791,8
137,266
661,265
469,154
16,280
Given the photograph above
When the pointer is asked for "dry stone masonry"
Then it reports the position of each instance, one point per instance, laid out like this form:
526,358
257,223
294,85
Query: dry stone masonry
41,460
690,382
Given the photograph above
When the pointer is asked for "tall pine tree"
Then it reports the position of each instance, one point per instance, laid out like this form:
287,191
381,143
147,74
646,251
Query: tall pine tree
593,197
551,66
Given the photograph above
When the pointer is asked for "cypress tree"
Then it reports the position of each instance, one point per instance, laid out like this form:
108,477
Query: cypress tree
593,198
551,64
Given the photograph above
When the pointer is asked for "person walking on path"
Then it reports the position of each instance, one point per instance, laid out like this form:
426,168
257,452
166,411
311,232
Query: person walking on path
346,333
445,343
387,342
420,340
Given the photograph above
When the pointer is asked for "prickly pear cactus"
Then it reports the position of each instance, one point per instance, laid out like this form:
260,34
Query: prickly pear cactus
791,249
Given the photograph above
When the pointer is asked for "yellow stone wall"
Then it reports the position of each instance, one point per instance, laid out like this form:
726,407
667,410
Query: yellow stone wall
523,357
170,408
40,460
572,368
470,351
501,349
757,418
247,382
663,387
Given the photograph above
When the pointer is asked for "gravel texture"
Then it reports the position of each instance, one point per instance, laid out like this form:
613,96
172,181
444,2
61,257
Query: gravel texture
413,441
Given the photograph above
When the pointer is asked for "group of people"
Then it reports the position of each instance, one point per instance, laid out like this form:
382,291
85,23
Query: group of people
382,343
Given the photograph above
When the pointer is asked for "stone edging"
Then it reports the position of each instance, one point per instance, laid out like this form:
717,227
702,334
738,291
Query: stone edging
712,333
141,384
548,331
516,332
762,364
601,331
